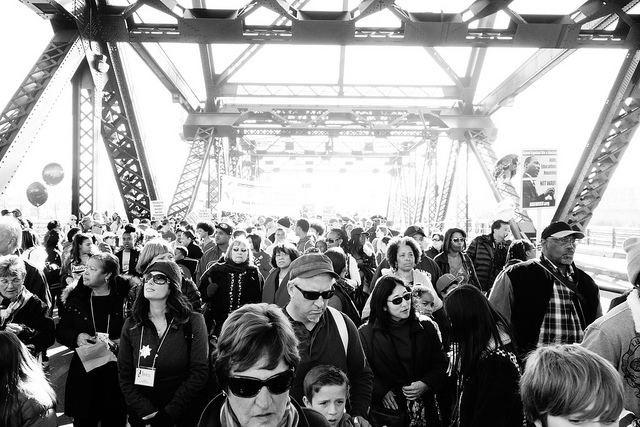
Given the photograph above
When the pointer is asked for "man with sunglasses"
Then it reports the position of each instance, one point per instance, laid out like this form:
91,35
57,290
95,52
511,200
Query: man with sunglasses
320,332
550,300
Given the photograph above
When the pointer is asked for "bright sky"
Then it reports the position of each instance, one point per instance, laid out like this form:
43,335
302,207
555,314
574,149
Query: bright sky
557,112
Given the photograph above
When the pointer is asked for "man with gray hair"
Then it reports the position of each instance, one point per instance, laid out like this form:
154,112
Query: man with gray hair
326,336
10,240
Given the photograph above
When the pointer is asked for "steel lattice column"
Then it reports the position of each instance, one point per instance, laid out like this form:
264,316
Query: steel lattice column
124,144
28,108
432,189
610,138
85,135
217,168
445,196
187,189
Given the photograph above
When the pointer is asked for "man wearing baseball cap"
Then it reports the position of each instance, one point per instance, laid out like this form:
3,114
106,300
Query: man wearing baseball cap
550,300
323,333
221,237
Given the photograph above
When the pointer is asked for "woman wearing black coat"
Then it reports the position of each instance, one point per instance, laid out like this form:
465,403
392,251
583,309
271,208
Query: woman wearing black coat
93,311
406,355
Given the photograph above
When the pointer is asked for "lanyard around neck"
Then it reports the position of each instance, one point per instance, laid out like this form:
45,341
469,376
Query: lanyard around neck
93,317
166,332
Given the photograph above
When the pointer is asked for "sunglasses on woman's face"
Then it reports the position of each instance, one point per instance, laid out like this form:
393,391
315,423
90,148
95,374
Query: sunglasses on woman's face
250,387
156,279
398,300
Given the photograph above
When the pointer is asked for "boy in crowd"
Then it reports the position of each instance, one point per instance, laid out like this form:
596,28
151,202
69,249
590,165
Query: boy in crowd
567,385
326,389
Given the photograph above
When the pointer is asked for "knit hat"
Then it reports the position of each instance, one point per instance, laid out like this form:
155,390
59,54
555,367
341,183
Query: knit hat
168,268
285,222
632,247
445,281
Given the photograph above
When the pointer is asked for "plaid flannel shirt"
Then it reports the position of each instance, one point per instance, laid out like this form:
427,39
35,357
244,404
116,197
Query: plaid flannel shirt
561,324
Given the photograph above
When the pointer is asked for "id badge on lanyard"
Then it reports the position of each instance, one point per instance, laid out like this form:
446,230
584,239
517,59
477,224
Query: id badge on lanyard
145,376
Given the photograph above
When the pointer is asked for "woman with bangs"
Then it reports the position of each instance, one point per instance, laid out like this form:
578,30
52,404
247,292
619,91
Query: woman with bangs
275,286
82,248
230,283
405,354
486,363
568,385
256,360
162,361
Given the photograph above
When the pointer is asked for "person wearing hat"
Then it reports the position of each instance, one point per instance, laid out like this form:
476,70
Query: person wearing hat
424,263
614,336
489,253
162,362
446,283
550,300
326,336
216,250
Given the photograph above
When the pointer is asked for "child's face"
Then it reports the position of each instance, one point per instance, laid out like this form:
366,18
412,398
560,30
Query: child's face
329,401
424,304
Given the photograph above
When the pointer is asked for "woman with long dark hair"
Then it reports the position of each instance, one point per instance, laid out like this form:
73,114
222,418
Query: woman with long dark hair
453,258
406,356
230,283
486,361
165,339
93,313
26,395
73,266
362,251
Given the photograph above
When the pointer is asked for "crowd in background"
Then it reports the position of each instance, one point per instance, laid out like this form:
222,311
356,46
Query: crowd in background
442,322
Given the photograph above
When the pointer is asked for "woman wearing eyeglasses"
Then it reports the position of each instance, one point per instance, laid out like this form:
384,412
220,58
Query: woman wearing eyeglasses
230,283
162,360
93,314
257,358
406,356
453,258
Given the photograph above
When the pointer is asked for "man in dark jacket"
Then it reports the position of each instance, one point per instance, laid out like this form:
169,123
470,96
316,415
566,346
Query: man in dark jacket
550,300
489,253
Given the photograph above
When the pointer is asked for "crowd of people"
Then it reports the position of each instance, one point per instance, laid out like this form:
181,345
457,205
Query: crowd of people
276,322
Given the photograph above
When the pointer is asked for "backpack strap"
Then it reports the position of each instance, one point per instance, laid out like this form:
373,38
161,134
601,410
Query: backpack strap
342,327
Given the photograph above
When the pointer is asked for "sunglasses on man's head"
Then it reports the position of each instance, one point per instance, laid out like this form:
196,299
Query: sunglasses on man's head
398,300
312,296
250,387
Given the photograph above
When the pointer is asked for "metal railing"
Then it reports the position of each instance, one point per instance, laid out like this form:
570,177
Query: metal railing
612,237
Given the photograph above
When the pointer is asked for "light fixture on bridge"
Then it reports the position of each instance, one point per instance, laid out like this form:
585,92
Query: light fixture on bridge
101,64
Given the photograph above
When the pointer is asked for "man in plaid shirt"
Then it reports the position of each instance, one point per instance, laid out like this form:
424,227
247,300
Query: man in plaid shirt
550,300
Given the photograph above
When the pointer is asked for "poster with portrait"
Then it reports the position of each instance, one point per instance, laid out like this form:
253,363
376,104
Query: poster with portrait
539,178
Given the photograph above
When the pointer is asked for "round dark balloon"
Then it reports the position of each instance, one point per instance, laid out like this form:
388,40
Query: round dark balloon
52,174
37,194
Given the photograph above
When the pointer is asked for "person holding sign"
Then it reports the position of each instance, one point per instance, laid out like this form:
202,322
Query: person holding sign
90,324
162,360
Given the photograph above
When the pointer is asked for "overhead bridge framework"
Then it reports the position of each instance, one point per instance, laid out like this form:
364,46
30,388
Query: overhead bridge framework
229,137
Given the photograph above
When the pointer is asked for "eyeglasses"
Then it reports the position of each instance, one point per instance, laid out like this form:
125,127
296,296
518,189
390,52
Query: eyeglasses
250,387
15,281
157,279
332,240
398,300
566,240
458,240
312,296
436,240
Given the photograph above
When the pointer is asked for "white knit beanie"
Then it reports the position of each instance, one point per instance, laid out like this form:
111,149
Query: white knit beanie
632,247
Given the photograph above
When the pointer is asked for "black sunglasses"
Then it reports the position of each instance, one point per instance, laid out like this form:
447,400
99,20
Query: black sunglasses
157,279
398,300
312,296
250,387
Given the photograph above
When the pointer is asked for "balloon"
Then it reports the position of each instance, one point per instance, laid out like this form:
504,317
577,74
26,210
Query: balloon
52,174
37,194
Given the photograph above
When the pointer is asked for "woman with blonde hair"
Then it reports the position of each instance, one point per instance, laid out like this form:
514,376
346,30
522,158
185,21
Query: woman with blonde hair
26,395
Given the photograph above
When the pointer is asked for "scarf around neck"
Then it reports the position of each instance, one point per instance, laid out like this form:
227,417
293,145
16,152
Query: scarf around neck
229,419
6,315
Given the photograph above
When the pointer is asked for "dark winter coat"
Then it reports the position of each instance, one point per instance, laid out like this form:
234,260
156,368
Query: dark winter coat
443,263
39,331
488,258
